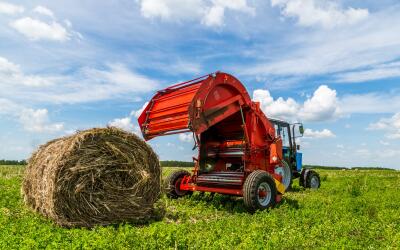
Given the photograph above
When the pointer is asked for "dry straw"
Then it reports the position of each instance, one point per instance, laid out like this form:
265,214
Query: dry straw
99,176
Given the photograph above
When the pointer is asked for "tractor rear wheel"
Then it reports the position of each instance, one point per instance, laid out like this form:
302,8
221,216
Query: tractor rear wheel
310,179
172,184
259,191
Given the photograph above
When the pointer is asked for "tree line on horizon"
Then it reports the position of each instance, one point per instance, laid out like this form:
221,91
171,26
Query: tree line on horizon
12,162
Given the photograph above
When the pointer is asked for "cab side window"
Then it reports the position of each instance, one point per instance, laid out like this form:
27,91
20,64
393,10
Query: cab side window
284,133
285,136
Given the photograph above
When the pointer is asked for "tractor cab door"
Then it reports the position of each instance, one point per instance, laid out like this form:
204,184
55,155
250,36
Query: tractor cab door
284,130
284,133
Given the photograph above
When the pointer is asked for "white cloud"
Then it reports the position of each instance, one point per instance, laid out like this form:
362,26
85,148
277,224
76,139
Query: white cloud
173,145
8,107
384,143
322,13
10,9
325,105
129,123
121,76
11,74
215,16
389,153
370,103
209,13
126,124
381,71
85,85
38,121
32,120
216,13
332,52
186,137
123,123
171,9
391,125
137,113
322,106
7,66
44,11
282,109
35,29
363,152
325,133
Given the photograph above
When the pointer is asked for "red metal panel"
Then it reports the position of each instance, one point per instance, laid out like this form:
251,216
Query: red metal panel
193,106
221,190
168,111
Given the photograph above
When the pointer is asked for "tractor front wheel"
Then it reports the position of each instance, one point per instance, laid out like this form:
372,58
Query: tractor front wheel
259,191
173,182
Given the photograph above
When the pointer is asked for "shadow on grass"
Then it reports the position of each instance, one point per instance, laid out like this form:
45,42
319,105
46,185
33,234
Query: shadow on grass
295,189
227,203
158,214
294,204
234,204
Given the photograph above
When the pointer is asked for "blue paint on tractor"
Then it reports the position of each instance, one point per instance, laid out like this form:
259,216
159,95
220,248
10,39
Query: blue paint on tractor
299,161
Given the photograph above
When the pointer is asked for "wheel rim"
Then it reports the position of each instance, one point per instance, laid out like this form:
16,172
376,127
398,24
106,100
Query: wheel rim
284,171
264,194
314,182
178,190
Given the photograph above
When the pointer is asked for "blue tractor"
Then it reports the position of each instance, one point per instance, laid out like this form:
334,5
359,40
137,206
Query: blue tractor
292,163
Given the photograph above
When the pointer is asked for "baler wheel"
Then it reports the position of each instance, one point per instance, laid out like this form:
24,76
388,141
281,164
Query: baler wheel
259,191
310,179
172,183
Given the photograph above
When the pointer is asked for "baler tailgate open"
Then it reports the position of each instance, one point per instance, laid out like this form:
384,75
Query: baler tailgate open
168,111
192,106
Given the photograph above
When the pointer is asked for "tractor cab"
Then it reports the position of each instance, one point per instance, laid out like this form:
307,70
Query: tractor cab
292,158
289,132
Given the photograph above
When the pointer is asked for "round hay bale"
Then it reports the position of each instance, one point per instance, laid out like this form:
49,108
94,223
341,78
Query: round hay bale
98,176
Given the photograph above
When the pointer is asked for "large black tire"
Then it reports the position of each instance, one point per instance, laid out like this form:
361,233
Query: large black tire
257,182
310,179
172,183
303,177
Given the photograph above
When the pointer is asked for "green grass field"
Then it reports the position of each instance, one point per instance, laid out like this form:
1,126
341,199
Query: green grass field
352,210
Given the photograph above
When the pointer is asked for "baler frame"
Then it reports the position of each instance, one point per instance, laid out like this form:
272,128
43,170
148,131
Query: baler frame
235,139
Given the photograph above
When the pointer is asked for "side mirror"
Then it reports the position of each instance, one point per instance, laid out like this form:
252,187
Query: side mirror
301,129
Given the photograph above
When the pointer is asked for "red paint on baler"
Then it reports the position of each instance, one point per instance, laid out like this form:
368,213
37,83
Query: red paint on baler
229,127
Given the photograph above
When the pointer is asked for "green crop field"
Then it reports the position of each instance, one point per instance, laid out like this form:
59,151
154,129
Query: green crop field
352,210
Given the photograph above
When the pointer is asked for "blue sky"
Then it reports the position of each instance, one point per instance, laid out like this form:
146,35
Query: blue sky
332,64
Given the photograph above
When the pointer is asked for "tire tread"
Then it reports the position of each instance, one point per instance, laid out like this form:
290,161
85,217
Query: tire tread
170,183
250,188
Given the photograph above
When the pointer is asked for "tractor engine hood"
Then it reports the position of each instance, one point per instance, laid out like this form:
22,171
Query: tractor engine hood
193,106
